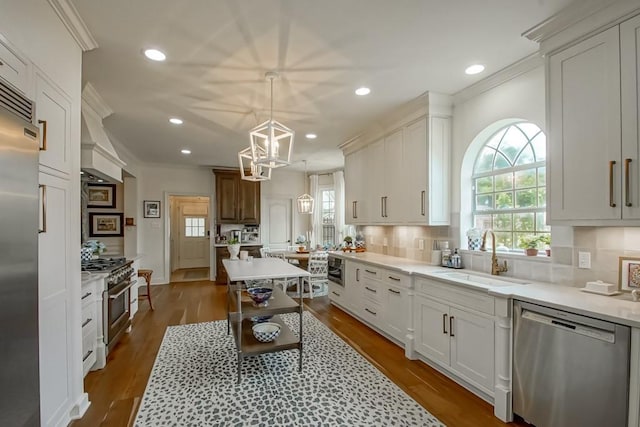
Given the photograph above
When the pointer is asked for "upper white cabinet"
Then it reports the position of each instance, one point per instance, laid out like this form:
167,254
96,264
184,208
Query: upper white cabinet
53,115
593,129
13,69
406,174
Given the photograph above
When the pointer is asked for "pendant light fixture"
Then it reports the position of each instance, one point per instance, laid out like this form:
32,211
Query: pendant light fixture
271,141
256,172
305,202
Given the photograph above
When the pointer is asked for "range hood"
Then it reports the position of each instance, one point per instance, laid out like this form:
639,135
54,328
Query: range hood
98,157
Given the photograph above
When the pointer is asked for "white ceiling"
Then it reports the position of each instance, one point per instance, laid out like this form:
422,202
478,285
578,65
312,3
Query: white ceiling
218,51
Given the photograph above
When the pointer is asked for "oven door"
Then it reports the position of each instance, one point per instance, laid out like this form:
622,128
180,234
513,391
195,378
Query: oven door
335,274
117,311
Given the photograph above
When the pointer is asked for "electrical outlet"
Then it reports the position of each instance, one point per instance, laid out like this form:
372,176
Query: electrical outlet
584,259
421,244
384,241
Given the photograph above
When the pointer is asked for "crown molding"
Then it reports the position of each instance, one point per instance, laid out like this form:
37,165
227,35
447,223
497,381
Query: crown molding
93,99
74,23
510,72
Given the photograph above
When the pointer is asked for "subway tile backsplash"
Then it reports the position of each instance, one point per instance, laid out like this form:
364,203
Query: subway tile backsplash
606,245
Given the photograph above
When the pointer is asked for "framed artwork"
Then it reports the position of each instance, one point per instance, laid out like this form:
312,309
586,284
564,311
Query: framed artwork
628,274
102,196
151,208
105,224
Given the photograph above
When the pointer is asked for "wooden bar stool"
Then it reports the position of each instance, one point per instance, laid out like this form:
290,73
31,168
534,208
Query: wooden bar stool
147,277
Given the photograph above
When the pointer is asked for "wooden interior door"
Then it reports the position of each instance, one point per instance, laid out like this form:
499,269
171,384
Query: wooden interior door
280,223
193,240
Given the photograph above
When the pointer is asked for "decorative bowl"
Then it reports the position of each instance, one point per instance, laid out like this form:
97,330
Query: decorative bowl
266,331
260,295
260,319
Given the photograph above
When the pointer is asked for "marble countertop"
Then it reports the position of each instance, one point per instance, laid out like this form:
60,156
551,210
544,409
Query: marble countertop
88,277
223,245
261,268
618,309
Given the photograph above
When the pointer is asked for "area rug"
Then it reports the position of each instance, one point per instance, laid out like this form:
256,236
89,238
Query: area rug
193,383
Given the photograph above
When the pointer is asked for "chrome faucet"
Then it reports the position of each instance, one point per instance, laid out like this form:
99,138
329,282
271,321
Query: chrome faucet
495,268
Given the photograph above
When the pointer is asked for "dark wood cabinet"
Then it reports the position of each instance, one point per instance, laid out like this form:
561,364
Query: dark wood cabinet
237,200
222,253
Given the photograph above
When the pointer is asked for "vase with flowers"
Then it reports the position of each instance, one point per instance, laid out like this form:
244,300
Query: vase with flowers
92,249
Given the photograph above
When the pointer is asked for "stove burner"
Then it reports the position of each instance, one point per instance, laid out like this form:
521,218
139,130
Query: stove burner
103,264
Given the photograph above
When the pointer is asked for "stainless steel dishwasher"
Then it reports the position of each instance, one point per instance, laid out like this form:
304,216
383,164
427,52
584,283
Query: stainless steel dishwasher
569,370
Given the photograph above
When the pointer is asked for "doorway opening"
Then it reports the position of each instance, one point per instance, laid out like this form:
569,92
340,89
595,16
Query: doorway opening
189,238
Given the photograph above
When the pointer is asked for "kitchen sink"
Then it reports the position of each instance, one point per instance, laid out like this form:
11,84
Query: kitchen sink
477,279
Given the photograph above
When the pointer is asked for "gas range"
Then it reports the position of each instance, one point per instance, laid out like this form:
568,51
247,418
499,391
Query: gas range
119,269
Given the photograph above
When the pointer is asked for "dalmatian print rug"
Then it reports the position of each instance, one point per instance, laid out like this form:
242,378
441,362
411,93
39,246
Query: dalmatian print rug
193,383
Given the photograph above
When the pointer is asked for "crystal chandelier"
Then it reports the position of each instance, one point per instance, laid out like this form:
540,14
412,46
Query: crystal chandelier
271,141
305,202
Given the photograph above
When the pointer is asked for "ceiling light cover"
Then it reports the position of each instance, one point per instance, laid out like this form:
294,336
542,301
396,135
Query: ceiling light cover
474,69
256,172
271,141
305,204
311,136
155,55
361,91
185,151
175,121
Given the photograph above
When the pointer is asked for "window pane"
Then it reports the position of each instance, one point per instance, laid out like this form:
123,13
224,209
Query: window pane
502,221
484,185
529,129
526,178
187,222
484,202
484,163
504,200
504,241
200,222
188,232
542,197
520,237
526,198
539,144
495,139
523,221
542,176
512,143
504,182
526,156
501,162
482,222
541,222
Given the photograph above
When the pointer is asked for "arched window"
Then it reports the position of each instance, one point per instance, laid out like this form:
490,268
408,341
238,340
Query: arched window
509,185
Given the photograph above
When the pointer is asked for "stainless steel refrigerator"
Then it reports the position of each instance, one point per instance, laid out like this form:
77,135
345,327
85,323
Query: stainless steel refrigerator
20,219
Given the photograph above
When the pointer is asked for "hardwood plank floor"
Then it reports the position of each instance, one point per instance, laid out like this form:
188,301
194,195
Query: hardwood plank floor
115,392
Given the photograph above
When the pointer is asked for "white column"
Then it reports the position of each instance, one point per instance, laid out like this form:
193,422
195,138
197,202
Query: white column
502,407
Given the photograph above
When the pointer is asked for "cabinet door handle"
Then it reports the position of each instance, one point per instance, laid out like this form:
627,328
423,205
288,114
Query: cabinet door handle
335,293
371,312
43,147
394,291
86,356
423,197
382,207
444,324
393,278
627,198
43,206
86,322
370,272
357,274
86,295
371,290
612,203
451,334
384,203
354,213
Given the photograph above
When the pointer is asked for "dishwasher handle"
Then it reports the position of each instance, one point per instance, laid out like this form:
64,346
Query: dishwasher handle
564,324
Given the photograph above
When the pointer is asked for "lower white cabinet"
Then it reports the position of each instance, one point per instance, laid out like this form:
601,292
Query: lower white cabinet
457,338
395,319
337,294
90,322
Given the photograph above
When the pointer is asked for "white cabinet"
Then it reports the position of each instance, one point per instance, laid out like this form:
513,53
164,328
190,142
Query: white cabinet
53,115
356,191
453,328
13,69
134,302
90,320
352,285
593,115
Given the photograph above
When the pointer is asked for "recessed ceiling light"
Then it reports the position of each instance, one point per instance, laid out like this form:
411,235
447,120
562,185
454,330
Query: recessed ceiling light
155,55
101,180
185,151
361,91
176,121
311,136
81,173
474,69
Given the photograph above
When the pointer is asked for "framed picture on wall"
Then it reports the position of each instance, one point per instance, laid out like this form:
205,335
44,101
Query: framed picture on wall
151,208
105,224
102,196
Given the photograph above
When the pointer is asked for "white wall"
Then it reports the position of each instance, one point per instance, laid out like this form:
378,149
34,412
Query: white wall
157,183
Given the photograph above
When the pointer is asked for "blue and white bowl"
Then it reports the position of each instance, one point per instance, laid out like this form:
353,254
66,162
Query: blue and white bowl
266,332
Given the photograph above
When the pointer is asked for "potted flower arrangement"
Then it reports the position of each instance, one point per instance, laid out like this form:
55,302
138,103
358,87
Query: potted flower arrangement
530,244
348,241
95,247
546,239
301,240
233,246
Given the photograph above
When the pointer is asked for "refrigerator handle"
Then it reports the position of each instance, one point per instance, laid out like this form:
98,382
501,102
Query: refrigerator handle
43,147
43,204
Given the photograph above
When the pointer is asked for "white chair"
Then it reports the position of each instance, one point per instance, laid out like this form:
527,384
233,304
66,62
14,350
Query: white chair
284,282
293,249
318,282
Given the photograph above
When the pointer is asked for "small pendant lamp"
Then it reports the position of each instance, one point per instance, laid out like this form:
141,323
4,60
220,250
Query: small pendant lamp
305,202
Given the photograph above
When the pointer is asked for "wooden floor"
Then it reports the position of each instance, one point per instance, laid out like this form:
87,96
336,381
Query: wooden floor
115,392
190,274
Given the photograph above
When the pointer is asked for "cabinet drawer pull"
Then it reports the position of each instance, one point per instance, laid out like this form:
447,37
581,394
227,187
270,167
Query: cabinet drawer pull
335,293
370,312
43,206
394,291
612,203
444,324
371,290
134,301
354,208
43,147
385,207
627,198
370,272
357,274
423,197
86,322
88,294
86,356
394,278
382,207
451,326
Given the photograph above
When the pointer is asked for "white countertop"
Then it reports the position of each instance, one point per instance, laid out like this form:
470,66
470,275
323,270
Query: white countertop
261,268
618,309
222,245
88,277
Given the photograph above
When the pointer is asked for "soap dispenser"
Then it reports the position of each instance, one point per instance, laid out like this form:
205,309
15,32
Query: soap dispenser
456,259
